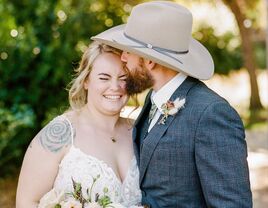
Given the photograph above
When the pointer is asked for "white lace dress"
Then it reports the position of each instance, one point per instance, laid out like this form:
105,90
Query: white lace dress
84,168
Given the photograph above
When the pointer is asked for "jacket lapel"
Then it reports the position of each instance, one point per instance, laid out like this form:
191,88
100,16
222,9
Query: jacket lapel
154,136
146,107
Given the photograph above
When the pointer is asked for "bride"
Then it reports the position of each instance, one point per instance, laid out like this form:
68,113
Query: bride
90,143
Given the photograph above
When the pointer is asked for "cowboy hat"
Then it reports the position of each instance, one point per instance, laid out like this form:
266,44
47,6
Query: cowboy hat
161,31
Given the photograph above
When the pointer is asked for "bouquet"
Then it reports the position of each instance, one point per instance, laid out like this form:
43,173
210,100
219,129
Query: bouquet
75,199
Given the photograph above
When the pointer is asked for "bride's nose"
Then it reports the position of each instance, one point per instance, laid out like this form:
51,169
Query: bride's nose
116,84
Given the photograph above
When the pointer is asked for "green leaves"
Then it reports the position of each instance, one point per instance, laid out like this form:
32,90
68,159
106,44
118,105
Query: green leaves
77,193
13,121
41,43
102,199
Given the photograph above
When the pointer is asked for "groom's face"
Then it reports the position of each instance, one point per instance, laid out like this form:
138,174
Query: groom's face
132,61
139,78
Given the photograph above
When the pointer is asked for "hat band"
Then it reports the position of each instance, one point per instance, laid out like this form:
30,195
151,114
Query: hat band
163,51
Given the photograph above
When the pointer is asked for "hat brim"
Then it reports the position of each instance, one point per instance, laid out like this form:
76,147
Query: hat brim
196,63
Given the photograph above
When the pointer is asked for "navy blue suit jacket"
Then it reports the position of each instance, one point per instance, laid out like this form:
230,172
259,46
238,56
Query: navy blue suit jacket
198,158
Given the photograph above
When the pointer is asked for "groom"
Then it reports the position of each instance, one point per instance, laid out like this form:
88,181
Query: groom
192,152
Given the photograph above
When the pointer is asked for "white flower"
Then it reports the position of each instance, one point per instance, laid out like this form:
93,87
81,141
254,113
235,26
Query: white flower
71,203
173,111
93,205
179,103
51,199
115,205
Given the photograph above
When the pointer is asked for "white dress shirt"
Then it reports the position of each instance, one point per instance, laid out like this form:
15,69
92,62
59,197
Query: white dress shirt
163,95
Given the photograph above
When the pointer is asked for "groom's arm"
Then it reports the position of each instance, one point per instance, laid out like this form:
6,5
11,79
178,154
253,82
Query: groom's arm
221,157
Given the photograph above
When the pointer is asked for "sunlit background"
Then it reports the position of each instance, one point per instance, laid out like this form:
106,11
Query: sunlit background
41,43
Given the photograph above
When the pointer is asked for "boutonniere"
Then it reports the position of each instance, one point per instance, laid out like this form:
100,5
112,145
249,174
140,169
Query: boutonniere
170,108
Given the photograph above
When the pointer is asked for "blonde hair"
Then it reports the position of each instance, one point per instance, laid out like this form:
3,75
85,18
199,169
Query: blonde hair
77,92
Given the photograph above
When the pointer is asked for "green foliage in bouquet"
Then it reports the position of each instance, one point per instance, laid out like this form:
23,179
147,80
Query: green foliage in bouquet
77,194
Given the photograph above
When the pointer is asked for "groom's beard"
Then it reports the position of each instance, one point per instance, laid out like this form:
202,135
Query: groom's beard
139,79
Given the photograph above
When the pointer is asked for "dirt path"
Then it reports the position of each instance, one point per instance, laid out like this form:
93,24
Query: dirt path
258,164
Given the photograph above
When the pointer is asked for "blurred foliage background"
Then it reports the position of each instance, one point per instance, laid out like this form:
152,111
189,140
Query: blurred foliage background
41,42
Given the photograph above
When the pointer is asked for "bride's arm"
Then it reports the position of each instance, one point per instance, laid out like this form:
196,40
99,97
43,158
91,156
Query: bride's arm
40,164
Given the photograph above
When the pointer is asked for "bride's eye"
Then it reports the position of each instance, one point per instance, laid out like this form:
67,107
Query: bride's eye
102,78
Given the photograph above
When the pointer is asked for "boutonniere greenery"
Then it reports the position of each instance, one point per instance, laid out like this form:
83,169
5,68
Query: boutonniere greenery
170,108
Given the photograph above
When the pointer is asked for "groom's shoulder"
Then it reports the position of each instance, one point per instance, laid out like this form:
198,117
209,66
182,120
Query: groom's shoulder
203,101
201,94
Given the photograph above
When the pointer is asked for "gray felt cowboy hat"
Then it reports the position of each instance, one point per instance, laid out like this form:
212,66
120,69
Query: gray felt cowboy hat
161,31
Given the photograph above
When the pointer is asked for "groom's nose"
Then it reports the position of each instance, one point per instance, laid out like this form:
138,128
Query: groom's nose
124,56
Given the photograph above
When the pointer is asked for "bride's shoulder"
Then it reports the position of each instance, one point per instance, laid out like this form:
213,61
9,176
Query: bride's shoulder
57,134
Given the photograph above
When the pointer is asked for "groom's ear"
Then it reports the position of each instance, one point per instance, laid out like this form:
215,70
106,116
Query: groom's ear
149,64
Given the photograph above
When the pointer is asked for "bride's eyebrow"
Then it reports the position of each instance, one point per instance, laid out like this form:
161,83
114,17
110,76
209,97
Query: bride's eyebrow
104,74
108,75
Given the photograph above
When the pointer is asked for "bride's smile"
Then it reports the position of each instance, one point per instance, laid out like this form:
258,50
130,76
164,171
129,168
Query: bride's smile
106,85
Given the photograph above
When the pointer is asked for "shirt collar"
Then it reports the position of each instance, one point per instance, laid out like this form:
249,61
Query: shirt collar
162,96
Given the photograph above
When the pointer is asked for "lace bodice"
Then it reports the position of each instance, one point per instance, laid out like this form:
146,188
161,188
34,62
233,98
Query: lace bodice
84,168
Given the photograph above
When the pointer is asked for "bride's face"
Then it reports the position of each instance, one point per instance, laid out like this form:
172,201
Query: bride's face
106,84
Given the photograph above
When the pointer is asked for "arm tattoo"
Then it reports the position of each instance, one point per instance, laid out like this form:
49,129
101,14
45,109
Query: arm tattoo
56,135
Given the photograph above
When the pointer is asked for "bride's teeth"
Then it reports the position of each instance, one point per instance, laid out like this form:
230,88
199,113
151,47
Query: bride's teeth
112,97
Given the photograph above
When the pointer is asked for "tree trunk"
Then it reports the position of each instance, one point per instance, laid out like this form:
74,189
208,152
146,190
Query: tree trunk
248,52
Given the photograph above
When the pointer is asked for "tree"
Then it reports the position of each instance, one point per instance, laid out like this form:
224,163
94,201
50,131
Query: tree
40,44
246,15
239,9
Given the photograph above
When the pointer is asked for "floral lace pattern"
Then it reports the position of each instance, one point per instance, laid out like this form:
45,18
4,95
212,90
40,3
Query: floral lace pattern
84,168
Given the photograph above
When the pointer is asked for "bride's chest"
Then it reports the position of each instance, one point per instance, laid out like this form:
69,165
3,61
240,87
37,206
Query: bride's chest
87,169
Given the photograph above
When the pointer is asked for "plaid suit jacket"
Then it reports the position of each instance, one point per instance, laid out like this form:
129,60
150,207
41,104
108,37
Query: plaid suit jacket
198,158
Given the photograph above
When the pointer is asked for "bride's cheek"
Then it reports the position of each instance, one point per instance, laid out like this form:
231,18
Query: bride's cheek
123,84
